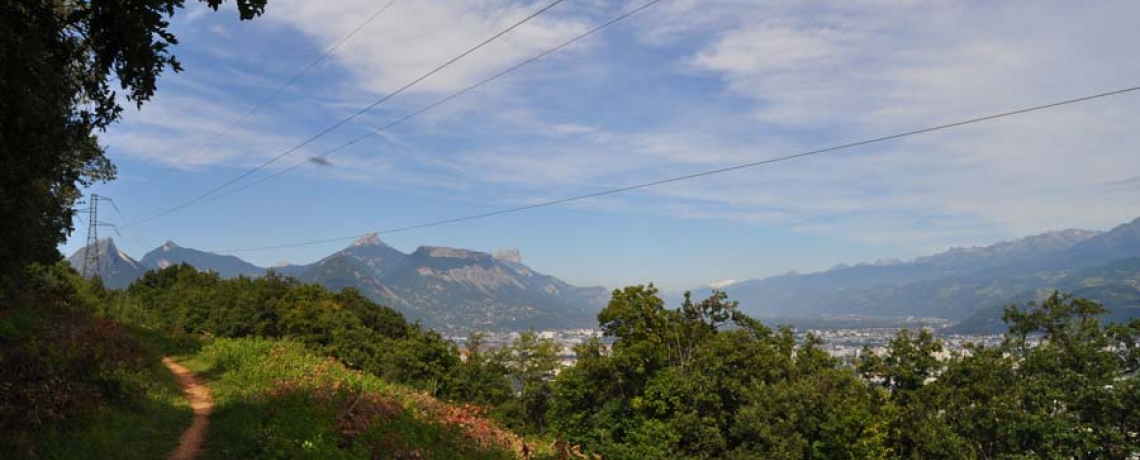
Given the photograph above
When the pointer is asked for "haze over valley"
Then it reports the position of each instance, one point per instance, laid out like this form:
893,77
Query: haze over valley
569,230
460,290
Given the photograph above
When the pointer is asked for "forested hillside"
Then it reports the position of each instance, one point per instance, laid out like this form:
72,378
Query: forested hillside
449,289
703,380
192,355
962,282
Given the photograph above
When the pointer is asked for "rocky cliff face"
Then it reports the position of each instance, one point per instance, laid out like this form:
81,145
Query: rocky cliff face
226,266
116,268
446,288
457,289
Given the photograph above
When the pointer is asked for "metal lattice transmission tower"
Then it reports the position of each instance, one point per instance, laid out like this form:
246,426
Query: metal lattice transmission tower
91,250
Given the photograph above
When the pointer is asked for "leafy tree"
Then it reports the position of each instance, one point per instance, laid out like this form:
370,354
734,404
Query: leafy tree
1057,388
530,364
346,325
591,404
1075,401
706,381
482,377
909,362
61,61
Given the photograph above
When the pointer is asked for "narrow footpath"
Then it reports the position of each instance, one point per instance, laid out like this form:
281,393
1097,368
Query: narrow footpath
199,396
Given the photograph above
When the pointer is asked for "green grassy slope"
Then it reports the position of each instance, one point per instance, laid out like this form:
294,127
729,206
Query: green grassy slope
275,400
79,387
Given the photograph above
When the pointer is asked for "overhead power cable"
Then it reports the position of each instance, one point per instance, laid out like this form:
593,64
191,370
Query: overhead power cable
753,164
261,104
319,159
351,117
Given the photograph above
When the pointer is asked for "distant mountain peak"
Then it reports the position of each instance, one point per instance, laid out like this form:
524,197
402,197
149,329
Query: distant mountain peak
116,268
103,244
460,289
106,247
723,283
451,253
1051,241
171,254
509,255
371,239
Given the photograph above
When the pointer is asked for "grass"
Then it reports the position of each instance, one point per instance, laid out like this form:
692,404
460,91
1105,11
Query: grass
76,386
80,387
276,400
145,427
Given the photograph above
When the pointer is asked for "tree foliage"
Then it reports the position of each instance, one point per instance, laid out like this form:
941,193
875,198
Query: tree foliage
703,380
344,324
62,61
706,381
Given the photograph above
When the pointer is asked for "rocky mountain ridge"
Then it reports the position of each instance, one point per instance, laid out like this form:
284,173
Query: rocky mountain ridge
451,289
956,284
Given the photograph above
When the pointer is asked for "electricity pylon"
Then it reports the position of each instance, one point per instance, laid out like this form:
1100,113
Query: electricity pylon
91,251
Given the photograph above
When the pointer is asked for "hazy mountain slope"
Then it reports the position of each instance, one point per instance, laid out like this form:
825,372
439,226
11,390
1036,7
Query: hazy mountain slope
290,269
458,289
361,265
954,284
447,288
172,254
115,267
337,272
374,254
1104,256
1116,285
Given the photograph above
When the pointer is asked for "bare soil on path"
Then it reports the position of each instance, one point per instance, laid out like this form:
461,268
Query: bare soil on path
199,396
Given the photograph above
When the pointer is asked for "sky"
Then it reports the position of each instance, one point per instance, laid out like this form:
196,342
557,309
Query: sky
685,86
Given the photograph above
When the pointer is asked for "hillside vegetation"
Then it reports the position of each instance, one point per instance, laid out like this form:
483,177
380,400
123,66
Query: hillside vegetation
448,289
80,384
300,372
277,399
972,285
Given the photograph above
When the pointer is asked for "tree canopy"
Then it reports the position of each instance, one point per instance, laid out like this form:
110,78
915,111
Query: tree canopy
65,62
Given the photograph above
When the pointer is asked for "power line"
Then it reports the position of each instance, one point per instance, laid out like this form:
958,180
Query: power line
91,265
345,120
257,107
840,147
375,131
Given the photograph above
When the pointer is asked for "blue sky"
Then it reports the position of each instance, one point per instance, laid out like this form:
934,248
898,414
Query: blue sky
686,86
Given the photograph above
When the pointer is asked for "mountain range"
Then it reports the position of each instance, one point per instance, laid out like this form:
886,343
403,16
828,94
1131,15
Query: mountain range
965,285
449,289
116,268
456,290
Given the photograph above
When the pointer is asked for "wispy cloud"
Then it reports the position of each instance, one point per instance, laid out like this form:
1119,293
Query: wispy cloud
415,36
751,80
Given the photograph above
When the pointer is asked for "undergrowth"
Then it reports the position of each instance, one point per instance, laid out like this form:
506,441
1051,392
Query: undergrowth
76,386
276,400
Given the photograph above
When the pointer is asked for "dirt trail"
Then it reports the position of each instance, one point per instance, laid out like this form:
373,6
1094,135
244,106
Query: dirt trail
199,396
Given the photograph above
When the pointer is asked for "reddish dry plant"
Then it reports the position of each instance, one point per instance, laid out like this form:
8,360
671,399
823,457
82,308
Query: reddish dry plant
563,450
471,421
65,368
358,414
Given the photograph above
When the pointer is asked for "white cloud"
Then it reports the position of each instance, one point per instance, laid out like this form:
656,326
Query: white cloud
798,75
174,130
839,71
722,283
413,37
